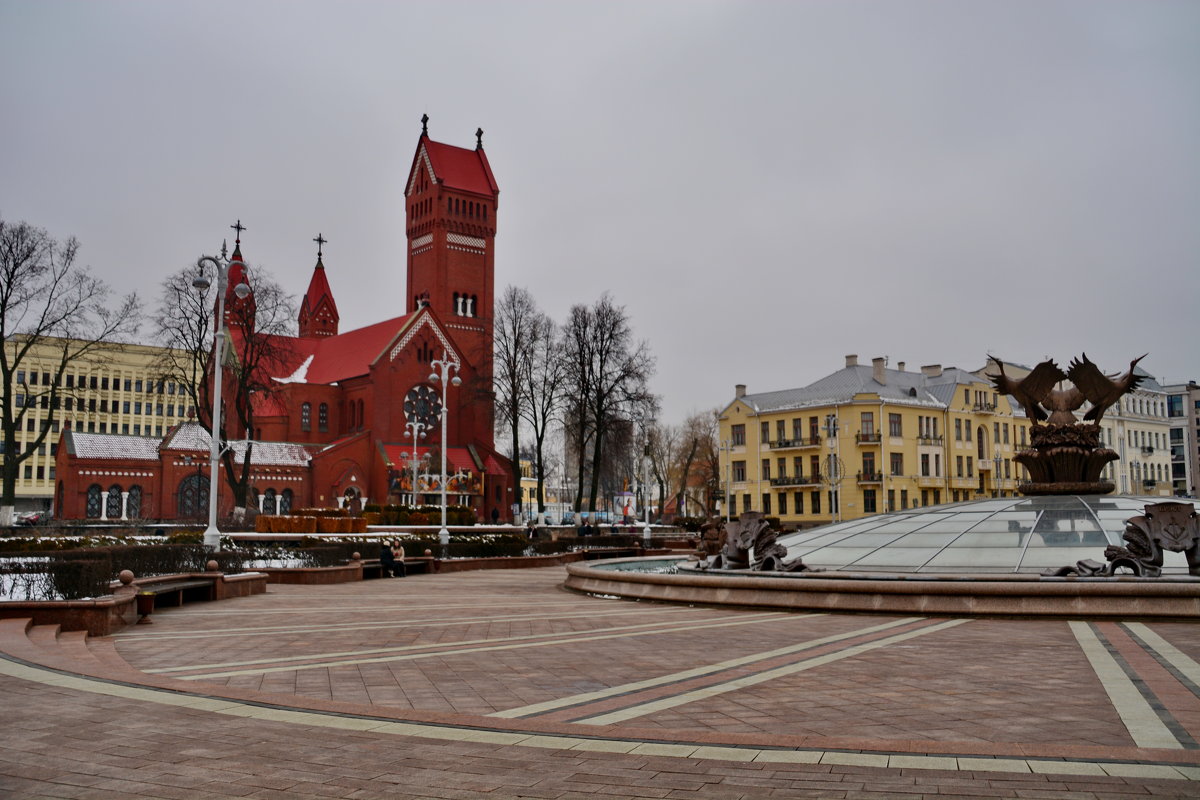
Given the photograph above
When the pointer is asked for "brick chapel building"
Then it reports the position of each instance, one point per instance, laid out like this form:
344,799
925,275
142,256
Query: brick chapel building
340,419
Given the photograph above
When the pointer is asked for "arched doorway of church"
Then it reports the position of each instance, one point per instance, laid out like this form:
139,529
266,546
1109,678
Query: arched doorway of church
352,500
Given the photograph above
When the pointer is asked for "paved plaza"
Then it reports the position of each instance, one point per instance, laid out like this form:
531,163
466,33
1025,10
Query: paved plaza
503,684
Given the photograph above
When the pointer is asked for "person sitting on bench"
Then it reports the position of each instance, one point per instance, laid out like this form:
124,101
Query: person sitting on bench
387,560
398,560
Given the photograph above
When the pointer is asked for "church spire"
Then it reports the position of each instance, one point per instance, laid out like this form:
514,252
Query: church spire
318,313
238,311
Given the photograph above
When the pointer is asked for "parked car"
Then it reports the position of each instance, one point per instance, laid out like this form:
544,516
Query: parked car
31,517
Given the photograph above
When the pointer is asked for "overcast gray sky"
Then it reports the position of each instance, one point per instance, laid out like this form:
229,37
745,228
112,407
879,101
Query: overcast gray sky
765,186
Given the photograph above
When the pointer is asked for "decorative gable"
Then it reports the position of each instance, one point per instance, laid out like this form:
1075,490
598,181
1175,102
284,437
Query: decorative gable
424,322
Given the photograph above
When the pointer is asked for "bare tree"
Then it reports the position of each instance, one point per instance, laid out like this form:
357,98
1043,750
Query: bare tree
47,305
663,445
516,318
259,346
607,377
543,380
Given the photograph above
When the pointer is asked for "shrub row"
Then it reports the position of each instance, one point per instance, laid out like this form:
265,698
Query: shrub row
86,572
309,524
421,515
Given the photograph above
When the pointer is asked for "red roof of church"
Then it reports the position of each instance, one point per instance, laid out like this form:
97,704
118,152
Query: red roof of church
350,354
460,168
318,288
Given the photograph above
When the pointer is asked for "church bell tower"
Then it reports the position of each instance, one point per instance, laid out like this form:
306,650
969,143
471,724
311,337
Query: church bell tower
450,206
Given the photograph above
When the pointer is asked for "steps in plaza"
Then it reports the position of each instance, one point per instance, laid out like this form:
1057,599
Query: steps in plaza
69,651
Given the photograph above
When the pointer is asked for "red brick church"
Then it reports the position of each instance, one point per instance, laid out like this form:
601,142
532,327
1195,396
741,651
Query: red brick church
340,420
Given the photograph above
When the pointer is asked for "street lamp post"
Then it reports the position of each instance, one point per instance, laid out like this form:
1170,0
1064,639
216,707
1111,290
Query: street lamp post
727,448
417,431
996,460
221,265
442,369
646,496
835,467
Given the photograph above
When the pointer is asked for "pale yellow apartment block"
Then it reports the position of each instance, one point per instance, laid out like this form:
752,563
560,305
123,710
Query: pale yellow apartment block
115,388
869,439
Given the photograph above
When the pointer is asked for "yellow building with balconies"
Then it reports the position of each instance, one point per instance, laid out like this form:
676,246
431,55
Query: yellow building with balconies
114,388
867,440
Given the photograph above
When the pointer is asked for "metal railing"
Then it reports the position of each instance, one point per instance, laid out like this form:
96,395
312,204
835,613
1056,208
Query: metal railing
780,444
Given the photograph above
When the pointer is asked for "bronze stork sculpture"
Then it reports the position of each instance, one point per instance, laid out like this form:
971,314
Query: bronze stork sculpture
1066,455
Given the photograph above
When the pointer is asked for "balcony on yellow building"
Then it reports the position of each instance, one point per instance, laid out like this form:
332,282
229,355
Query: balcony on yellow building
870,477
796,480
930,441
930,481
867,438
793,444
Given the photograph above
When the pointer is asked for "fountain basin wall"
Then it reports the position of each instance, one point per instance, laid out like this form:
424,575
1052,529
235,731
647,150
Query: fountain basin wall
1015,595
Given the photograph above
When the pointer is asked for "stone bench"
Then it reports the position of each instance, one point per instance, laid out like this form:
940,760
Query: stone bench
372,568
172,593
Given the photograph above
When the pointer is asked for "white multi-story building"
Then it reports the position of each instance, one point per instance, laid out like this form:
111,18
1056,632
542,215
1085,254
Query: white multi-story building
1138,429
1183,415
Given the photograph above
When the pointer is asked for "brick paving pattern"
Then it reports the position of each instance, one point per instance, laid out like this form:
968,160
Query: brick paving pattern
502,684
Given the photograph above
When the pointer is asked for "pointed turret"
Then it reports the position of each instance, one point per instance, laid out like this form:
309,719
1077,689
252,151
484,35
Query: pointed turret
318,313
239,312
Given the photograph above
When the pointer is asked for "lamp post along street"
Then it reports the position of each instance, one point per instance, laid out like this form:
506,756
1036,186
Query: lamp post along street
646,495
221,265
727,448
415,429
442,369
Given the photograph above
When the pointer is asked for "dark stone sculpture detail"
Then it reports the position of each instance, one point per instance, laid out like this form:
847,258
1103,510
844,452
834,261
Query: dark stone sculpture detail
749,534
1164,526
1066,456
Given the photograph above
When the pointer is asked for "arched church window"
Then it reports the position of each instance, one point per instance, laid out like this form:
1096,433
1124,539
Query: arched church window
449,205
361,415
112,503
285,501
323,417
474,310
306,416
133,506
268,506
93,501
485,213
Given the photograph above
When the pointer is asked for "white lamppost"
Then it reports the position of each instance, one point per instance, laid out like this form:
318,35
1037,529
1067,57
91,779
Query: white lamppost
646,495
417,431
442,369
726,447
212,536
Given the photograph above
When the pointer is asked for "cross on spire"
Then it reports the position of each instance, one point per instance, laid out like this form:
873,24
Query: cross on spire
239,227
479,138
424,124
320,240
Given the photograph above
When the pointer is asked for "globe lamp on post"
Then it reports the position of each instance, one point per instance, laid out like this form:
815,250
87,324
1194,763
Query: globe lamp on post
221,265
442,369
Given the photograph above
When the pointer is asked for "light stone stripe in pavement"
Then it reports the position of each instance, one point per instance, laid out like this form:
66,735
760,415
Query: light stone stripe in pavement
762,677
423,600
453,648
312,719
1159,646
1140,720
269,630
675,677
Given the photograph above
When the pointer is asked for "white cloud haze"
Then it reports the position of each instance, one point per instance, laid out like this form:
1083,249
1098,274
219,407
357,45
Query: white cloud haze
765,186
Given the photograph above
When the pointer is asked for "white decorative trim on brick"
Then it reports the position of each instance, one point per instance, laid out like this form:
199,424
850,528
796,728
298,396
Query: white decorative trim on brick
448,351
423,157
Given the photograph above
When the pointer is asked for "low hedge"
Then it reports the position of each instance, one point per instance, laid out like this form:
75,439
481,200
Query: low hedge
458,516
308,523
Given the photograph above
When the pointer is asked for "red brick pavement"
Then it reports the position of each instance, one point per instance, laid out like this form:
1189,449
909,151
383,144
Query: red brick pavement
901,720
